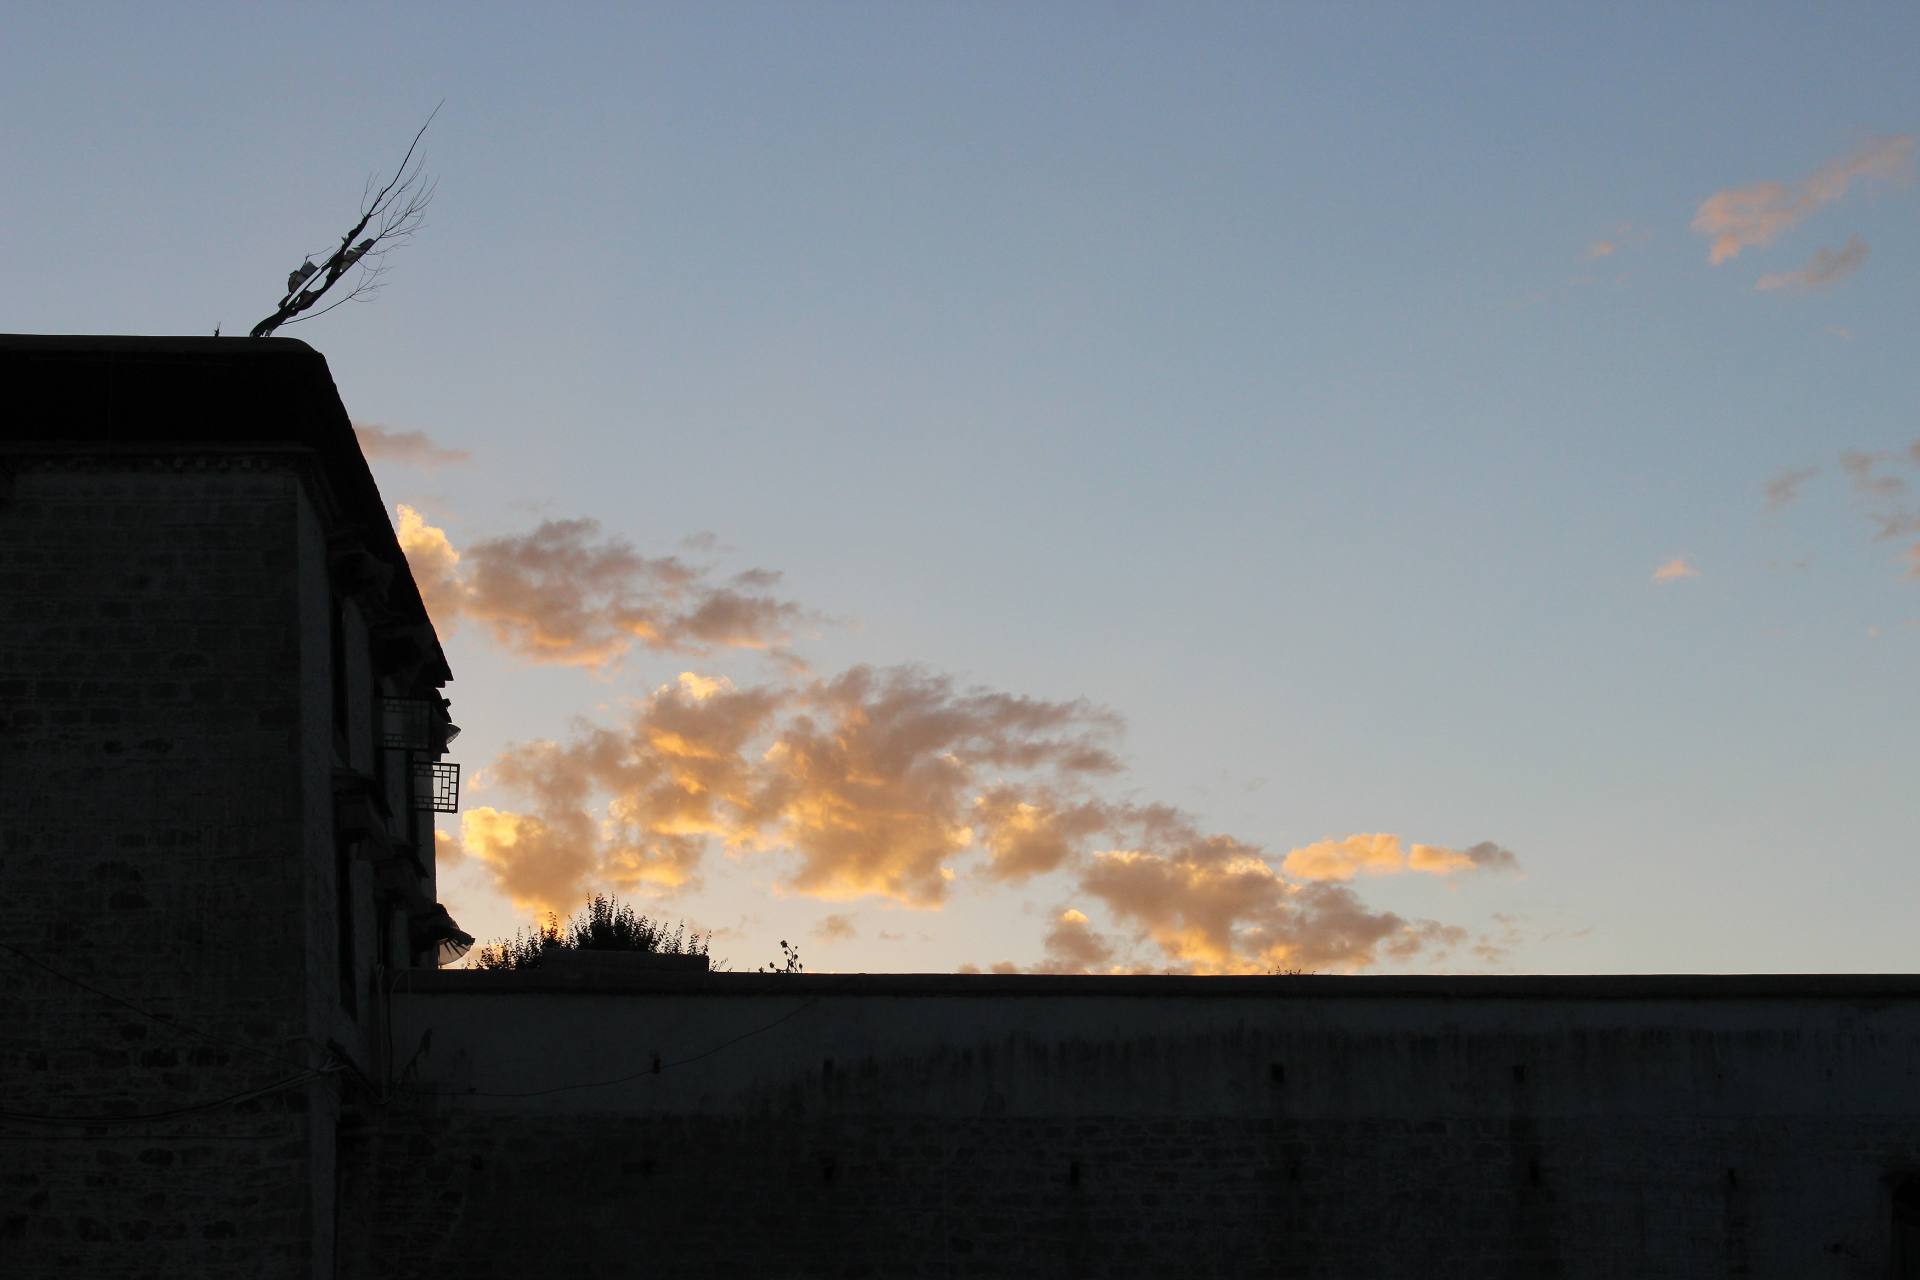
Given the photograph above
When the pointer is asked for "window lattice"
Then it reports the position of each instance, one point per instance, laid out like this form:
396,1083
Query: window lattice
405,724
436,786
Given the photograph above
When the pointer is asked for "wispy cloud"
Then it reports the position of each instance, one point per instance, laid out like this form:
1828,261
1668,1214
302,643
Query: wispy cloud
1861,469
1382,855
835,928
1675,570
1826,267
566,595
1882,493
1624,235
404,448
1784,489
1742,217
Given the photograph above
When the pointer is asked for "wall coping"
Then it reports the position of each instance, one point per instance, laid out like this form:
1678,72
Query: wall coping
84,399
1565,987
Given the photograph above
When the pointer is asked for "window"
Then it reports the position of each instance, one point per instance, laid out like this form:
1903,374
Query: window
337,628
1906,1228
343,925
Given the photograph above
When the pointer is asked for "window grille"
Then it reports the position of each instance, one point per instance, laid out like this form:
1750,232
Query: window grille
405,724
436,786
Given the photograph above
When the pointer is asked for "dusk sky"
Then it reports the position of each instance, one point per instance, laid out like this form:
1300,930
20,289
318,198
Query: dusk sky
1096,487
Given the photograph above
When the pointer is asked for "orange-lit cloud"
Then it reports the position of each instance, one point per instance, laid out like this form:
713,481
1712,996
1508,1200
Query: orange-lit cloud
1341,859
1676,570
435,565
1072,946
1214,904
868,783
1602,249
892,782
563,594
872,782
1742,217
1826,267
540,868
1381,855
404,448
1029,832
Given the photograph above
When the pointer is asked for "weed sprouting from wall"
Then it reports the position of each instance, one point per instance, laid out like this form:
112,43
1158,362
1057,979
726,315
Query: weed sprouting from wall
605,924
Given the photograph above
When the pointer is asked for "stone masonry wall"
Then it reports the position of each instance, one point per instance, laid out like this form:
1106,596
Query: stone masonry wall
153,843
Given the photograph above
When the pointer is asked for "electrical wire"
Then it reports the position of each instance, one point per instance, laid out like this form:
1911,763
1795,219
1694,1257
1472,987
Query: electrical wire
163,1020
602,1084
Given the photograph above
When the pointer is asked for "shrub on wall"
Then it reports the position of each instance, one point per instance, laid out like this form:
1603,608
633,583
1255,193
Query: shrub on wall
605,924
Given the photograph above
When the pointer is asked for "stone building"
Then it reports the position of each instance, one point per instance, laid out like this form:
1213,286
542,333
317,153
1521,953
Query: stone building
220,730
225,1048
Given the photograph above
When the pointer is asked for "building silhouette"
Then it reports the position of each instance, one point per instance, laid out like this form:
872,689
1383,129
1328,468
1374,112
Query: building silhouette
226,1048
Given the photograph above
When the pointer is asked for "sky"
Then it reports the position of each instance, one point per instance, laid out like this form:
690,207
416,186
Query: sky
1091,487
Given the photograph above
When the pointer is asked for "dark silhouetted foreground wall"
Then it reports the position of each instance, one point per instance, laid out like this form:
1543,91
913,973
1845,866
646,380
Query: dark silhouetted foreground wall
930,1126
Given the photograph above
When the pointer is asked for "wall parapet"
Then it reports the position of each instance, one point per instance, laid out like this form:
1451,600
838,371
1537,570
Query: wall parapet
1873,987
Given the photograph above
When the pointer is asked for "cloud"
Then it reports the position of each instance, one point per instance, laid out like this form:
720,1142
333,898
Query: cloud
1675,569
404,448
1860,469
872,782
435,565
1341,860
895,783
867,783
1784,488
1841,332
540,868
1073,947
1622,236
835,928
1826,267
563,594
1215,904
888,782
1027,833
1742,217
1488,856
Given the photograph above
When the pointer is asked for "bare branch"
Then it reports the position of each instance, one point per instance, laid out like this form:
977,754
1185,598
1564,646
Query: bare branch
396,210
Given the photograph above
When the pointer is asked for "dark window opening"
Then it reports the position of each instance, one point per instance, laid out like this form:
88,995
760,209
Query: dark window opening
1906,1228
338,638
343,922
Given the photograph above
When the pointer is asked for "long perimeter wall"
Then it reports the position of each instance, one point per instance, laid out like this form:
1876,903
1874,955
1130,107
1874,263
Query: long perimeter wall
948,1126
